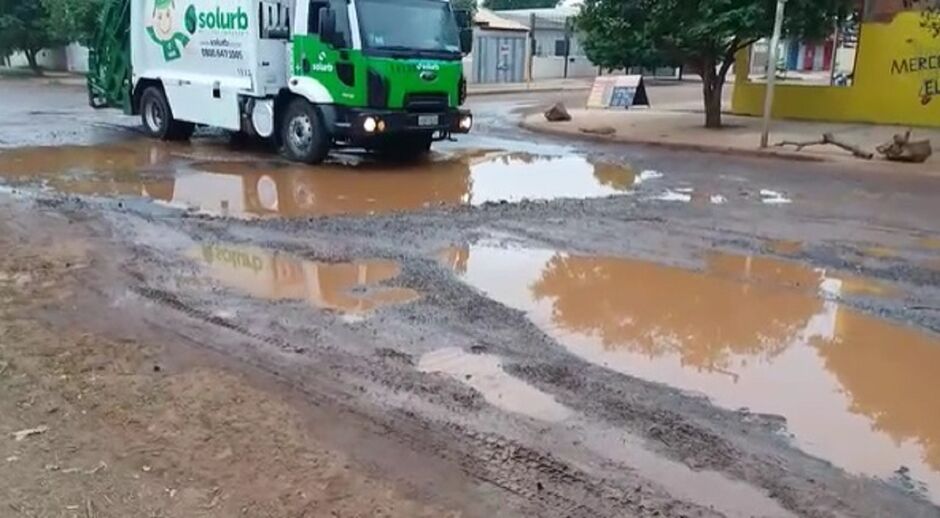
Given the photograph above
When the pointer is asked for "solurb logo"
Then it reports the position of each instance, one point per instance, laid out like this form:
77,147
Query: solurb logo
220,20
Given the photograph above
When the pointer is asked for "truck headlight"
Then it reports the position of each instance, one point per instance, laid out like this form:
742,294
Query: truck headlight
466,122
370,124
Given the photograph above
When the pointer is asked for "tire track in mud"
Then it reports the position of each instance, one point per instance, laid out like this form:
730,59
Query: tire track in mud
685,432
552,486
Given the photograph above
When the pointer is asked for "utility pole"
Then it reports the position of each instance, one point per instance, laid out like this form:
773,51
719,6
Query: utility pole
530,54
772,72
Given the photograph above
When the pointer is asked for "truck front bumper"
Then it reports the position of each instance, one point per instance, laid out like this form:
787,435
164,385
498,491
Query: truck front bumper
365,124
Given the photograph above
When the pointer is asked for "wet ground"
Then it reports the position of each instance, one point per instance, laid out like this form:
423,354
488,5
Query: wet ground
552,327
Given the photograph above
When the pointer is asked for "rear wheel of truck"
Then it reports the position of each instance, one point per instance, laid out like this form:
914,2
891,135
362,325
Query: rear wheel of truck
303,135
158,117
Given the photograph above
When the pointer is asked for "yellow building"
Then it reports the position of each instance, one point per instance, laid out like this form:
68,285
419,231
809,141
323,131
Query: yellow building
896,79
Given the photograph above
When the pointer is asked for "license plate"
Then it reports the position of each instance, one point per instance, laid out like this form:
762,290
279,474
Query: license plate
428,120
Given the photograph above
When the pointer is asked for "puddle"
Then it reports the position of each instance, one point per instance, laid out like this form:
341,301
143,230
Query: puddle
194,177
671,195
769,197
748,332
485,374
646,176
880,252
347,287
932,243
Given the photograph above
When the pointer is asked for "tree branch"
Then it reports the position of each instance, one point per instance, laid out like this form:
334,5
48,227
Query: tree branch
829,139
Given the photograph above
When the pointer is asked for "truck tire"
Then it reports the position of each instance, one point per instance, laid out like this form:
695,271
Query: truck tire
303,135
158,118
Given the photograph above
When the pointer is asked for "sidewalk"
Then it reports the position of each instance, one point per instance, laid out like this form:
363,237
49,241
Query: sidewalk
741,135
48,77
545,85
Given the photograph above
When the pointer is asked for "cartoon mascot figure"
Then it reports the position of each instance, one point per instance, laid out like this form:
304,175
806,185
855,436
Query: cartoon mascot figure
162,31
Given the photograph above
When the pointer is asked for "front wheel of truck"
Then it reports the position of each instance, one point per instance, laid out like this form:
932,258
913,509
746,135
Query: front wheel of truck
158,118
303,135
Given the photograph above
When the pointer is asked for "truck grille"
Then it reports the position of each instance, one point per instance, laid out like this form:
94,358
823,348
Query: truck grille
377,90
426,102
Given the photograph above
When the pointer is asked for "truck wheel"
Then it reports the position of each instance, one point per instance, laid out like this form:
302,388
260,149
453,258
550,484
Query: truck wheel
303,135
158,118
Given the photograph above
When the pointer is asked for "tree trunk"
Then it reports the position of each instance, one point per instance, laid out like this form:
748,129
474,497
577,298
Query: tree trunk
33,63
712,85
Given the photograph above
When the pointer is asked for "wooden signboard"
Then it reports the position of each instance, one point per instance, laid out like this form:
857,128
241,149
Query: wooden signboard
618,92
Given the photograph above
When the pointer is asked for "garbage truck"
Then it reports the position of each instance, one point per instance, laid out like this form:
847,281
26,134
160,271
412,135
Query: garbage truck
308,75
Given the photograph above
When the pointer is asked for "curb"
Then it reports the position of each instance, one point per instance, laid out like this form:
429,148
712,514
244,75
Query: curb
502,91
681,146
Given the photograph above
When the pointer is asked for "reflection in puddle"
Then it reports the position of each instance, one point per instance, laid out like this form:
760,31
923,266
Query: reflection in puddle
880,252
748,332
770,197
485,374
191,176
347,287
930,242
785,246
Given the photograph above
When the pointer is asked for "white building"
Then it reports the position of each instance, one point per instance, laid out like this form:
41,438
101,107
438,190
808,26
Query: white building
554,39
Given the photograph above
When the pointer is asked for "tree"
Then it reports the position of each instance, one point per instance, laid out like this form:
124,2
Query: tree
25,26
508,5
704,35
465,5
75,20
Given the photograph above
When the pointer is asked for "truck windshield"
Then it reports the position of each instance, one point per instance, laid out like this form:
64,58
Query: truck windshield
400,27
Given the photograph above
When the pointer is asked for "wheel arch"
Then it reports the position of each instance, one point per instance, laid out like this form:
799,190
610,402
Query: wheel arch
139,89
283,100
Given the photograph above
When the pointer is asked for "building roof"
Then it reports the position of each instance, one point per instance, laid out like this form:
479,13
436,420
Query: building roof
554,18
486,19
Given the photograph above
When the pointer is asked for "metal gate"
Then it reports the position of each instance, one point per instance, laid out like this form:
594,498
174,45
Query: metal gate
499,58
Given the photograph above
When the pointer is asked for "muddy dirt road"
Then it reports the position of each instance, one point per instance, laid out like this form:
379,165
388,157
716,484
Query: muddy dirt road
519,326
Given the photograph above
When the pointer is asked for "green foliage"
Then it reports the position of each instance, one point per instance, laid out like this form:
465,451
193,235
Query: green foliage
75,20
466,5
704,34
25,26
506,5
619,33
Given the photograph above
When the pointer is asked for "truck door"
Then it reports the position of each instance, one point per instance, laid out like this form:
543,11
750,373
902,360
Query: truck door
325,71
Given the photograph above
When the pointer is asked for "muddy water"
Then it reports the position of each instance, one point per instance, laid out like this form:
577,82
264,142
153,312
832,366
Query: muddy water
354,287
485,374
217,180
785,246
748,332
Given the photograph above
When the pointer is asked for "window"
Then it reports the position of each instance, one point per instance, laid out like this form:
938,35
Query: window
341,9
409,26
274,21
313,16
561,48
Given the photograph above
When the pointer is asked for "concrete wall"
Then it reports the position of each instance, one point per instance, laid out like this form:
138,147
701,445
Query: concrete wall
897,81
49,59
554,67
76,58
499,56
73,58
545,42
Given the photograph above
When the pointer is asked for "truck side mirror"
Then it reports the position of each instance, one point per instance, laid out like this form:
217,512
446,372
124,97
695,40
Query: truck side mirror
327,29
466,40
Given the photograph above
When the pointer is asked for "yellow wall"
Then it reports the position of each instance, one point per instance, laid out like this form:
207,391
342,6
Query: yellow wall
887,87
